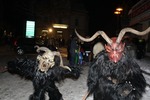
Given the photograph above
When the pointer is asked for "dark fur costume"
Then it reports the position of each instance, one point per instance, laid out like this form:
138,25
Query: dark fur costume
43,82
115,81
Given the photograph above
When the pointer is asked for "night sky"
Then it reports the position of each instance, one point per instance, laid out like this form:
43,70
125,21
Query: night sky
101,13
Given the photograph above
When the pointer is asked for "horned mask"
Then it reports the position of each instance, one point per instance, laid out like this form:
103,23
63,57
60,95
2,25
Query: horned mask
46,61
114,46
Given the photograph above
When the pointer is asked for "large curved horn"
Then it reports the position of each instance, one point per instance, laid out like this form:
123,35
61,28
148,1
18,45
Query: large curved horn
54,53
42,49
61,61
36,46
102,33
125,30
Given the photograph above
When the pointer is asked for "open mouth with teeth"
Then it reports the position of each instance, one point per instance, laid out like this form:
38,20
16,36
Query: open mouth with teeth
44,67
46,61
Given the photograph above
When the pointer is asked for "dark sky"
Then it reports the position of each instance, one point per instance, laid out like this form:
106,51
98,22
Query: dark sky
101,13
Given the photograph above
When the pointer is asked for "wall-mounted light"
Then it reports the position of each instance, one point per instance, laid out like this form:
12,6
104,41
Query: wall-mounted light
117,12
64,26
119,9
44,31
59,31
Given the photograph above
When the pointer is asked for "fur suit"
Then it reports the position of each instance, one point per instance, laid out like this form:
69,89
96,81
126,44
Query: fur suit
113,74
115,81
42,81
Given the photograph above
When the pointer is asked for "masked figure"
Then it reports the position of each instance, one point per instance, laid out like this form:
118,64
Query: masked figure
113,74
44,72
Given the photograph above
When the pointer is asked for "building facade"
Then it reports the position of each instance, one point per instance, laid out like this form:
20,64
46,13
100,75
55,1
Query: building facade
61,19
140,18
54,19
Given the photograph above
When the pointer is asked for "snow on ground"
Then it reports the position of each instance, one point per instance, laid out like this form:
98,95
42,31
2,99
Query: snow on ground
79,86
145,66
12,87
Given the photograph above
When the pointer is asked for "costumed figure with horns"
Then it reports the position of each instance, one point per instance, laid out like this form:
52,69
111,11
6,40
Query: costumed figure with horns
44,72
114,74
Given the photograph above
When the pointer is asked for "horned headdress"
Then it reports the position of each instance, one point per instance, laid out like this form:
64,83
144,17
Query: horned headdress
114,47
46,60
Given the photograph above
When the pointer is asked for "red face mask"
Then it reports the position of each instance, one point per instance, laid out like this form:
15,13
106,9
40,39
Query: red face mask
115,50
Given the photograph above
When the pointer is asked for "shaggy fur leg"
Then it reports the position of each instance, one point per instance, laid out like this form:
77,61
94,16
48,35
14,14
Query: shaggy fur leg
115,81
54,93
37,95
39,91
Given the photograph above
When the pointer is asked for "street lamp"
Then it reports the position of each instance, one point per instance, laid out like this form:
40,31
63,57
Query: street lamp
118,12
50,30
119,9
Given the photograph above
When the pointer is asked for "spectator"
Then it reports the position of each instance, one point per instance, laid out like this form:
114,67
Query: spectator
73,50
68,48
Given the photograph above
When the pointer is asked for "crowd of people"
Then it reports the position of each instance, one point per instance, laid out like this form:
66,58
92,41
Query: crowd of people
78,52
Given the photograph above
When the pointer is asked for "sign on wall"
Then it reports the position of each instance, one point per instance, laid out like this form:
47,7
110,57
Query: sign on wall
30,29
